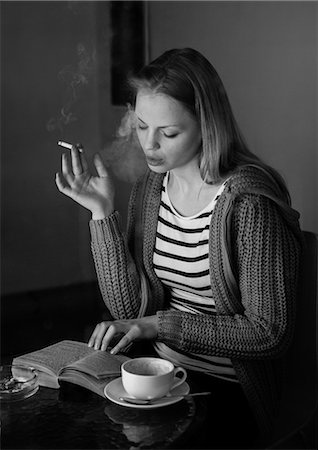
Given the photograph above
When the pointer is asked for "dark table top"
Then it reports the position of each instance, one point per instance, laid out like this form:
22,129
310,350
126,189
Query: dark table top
73,417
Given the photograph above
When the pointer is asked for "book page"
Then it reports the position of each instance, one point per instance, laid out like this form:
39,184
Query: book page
54,358
99,364
86,381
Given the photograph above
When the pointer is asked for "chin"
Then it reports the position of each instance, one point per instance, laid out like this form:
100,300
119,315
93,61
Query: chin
158,169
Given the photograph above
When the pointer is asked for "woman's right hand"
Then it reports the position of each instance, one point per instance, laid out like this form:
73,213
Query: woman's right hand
95,193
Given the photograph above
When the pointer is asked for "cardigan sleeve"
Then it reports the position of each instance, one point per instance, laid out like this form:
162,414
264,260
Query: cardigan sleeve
116,270
266,259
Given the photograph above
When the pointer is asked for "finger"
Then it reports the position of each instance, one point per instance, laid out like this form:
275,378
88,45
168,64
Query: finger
83,161
67,173
99,165
76,161
126,340
102,330
126,349
108,336
82,156
79,146
62,187
97,330
91,340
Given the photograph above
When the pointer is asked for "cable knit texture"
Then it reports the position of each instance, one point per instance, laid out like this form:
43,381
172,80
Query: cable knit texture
254,251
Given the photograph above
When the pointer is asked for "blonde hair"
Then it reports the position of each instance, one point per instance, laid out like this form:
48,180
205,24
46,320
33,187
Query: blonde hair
187,76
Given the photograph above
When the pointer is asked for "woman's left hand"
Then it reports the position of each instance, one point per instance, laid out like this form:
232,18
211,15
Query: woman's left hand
132,329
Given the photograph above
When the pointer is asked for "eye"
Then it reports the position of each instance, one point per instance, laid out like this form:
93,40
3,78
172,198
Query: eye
142,127
170,136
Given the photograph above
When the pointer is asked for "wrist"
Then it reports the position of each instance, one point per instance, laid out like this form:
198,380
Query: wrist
100,214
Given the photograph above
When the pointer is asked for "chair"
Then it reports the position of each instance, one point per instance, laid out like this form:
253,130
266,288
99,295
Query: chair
296,427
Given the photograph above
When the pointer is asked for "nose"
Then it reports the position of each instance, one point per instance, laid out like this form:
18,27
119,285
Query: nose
151,141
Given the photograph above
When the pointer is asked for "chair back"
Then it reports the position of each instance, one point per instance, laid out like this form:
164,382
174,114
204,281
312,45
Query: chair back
299,400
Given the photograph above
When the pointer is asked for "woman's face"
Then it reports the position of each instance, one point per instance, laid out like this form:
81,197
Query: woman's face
168,134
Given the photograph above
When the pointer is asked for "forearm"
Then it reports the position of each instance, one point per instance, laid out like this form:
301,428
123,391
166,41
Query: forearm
116,271
225,336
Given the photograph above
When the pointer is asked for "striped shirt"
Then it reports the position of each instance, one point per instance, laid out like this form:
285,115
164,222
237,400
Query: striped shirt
181,261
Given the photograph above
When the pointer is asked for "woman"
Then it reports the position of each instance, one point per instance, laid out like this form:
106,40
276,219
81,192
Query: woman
208,268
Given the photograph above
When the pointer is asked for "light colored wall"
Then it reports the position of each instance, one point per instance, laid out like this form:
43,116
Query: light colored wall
266,55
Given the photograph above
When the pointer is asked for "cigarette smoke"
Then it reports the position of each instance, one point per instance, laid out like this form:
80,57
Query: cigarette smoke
75,78
124,155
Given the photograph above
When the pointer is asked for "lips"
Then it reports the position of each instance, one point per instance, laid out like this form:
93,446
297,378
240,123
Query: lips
154,161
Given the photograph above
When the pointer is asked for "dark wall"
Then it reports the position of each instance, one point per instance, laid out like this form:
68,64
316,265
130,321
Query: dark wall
56,84
266,54
50,91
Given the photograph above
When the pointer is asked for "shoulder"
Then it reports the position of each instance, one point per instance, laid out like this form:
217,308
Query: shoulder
251,188
257,198
252,179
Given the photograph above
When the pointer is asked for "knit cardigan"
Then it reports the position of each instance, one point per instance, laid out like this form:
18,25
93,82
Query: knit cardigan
254,251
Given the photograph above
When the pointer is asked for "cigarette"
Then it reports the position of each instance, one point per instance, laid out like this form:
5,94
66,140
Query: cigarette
69,146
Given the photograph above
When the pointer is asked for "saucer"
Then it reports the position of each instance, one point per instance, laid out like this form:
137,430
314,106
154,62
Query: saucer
115,390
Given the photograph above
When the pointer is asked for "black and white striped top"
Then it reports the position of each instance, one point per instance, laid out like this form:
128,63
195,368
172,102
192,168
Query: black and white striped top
181,261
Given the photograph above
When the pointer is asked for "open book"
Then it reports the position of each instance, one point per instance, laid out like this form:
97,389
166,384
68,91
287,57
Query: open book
74,362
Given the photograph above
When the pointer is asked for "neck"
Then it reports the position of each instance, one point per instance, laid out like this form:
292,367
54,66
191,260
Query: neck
186,180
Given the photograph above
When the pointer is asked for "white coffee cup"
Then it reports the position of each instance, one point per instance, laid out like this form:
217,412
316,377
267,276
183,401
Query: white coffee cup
148,378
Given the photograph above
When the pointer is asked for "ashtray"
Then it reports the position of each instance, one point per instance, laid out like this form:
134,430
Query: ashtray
17,382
